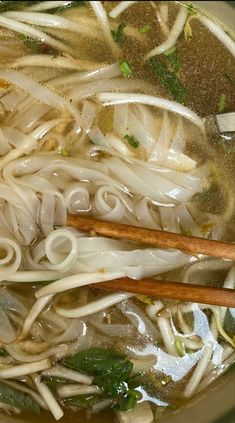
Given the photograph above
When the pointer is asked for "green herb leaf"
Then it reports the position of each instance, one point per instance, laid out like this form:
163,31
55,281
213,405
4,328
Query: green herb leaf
132,141
229,323
221,104
129,401
191,9
118,35
111,371
18,399
126,68
170,51
145,28
3,353
169,80
173,58
97,361
229,79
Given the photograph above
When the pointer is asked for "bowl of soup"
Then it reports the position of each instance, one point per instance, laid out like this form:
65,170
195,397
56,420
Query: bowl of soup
103,111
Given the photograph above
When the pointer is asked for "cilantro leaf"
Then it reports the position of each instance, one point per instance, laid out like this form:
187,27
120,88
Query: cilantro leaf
173,57
169,80
118,35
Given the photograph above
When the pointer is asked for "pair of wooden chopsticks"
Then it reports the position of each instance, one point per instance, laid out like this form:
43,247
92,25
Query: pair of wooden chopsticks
159,288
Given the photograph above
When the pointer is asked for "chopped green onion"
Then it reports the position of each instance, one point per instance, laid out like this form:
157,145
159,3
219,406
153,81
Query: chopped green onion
191,9
186,232
64,152
132,141
118,35
221,104
3,353
179,347
125,68
145,299
145,28
56,227
169,80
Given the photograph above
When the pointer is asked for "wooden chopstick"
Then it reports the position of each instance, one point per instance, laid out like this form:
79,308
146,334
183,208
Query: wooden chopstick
172,290
188,244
